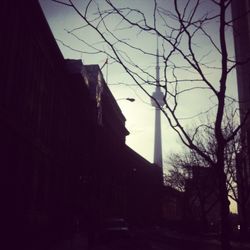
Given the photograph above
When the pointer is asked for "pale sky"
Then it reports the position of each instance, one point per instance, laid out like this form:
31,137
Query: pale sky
139,114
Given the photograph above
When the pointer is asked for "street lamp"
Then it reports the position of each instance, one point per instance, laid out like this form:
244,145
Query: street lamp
128,99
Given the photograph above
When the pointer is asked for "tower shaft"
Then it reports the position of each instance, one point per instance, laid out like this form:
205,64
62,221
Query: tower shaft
158,95
158,142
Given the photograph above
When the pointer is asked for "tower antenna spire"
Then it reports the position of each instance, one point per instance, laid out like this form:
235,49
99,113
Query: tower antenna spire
157,63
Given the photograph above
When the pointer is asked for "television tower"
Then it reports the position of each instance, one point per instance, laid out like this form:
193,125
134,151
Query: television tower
158,95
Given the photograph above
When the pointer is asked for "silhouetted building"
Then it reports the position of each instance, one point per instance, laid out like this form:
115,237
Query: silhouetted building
47,122
126,185
144,189
241,28
62,150
172,207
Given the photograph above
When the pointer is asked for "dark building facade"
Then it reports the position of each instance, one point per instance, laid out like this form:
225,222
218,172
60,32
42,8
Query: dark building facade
241,28
62,151
172,207
45,142
144,190
126,184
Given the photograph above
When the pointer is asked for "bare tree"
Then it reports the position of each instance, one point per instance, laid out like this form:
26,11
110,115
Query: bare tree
196,180
189,175
178,173
193,50
183,163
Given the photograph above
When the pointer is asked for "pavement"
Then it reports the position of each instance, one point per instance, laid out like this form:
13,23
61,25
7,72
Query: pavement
181,240
200,242
78,242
